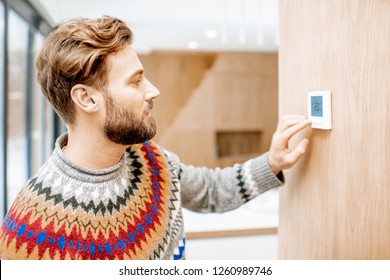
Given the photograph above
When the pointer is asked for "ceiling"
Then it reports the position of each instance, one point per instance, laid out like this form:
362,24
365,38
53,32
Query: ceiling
180,25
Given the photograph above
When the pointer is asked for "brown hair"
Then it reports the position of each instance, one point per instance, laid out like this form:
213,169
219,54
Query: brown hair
75,52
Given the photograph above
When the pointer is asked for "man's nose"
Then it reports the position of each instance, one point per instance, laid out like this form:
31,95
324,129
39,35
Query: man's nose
151,92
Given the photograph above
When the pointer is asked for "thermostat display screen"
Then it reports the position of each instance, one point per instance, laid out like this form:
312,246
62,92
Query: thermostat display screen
320,109
316,106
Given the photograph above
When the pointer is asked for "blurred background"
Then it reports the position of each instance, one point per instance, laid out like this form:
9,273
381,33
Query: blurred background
216,66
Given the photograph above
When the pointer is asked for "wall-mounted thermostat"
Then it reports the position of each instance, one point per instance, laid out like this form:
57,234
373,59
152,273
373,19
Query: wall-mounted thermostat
320,110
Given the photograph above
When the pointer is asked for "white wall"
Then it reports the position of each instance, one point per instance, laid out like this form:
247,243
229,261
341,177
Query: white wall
261,212
254,247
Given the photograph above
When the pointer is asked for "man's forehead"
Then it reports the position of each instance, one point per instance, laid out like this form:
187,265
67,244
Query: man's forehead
124,62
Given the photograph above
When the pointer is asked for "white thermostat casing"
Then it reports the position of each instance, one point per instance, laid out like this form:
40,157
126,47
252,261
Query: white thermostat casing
320,109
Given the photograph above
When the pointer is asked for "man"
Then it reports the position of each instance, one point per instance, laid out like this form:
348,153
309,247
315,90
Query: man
107,192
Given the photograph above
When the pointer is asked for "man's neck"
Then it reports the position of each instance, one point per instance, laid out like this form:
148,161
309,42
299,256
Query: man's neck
91,150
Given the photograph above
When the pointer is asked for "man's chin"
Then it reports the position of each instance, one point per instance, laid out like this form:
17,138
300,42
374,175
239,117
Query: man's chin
125,136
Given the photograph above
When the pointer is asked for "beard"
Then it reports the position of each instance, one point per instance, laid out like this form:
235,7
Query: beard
125,127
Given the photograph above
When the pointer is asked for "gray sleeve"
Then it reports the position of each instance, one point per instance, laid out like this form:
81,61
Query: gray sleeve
220,190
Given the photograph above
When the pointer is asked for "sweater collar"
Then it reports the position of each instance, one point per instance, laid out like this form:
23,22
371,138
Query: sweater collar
81,173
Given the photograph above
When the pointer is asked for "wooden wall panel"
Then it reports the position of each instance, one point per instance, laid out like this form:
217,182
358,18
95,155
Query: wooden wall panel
176,75
191,135
336,203
238,93
246,90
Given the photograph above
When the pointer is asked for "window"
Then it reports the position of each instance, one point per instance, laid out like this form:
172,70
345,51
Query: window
16,106
27,122
2,110
42,135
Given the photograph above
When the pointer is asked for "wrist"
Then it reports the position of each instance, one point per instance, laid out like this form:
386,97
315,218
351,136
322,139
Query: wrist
274,167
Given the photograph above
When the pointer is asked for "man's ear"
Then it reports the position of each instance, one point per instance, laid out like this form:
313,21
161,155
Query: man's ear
84,97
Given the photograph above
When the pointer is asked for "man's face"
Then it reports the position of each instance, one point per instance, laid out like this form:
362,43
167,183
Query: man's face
129,100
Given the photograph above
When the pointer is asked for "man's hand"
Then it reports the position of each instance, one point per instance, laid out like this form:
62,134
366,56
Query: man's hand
280,156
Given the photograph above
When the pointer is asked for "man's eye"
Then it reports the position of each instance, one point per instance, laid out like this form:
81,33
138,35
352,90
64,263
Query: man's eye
136,82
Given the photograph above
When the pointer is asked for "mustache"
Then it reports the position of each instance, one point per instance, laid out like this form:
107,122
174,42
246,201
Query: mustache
149,107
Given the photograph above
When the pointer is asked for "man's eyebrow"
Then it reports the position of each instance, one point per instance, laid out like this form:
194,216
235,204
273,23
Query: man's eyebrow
136,73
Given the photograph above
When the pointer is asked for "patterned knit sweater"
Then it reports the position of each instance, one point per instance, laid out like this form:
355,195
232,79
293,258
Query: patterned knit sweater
131,210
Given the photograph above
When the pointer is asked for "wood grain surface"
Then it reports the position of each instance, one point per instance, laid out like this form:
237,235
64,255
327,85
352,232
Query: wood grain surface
336,203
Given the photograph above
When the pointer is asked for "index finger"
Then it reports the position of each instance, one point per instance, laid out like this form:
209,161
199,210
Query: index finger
288,121
289,132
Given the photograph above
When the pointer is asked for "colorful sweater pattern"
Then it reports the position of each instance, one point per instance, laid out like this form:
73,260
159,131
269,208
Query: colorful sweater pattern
131,210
